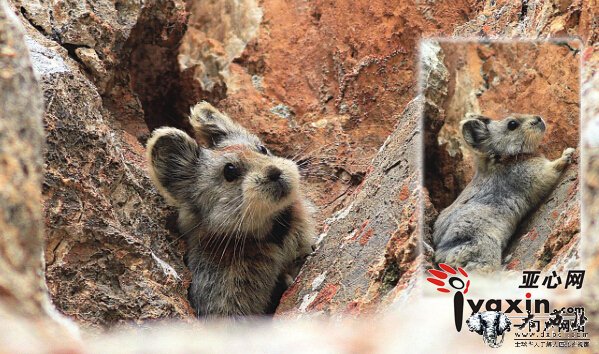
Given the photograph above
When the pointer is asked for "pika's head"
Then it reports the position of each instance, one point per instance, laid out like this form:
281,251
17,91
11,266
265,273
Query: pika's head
516,134
233,185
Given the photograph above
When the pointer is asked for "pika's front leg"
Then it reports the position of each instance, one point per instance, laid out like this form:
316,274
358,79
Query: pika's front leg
566,159
292,270
474,256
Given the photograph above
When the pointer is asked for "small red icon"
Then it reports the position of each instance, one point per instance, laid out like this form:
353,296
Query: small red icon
454,280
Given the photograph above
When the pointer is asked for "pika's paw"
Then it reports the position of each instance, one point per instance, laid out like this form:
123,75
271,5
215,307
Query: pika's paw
288,280
568,154
481,268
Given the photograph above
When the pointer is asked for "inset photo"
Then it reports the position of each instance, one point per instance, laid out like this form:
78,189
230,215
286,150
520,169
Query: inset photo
500,154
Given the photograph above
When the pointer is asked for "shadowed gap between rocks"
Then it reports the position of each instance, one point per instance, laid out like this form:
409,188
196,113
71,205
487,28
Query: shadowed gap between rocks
150,67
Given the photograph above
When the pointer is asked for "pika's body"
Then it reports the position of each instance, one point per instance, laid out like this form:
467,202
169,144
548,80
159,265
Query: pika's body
248,227
511,179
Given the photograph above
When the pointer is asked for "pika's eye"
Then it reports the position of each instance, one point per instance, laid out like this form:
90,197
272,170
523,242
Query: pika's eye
513,124
231,172
262,150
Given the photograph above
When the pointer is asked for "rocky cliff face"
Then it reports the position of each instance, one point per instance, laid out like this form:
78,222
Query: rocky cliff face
107,243
21,139
324,82
24,302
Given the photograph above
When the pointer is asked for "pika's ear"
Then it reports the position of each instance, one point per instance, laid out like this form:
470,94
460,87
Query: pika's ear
475,131
211,125
174,159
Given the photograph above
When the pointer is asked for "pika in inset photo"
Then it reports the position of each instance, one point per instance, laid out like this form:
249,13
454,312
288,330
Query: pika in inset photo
500,153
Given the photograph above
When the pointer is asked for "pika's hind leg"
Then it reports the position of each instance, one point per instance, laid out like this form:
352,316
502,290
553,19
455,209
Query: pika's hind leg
566,159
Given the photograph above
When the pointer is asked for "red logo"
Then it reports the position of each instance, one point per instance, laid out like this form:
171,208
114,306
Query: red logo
449,277
454,280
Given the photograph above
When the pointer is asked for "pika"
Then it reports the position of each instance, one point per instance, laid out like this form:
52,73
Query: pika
248,226
511,179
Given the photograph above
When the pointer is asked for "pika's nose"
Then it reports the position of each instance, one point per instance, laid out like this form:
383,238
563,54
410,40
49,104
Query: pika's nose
273,173
537,121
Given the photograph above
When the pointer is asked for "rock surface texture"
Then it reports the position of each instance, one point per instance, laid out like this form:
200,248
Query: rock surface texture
109,255
23,294
21,141
323,82
375,239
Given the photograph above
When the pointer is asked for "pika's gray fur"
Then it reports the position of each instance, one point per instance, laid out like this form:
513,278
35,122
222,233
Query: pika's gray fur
247,224
511,179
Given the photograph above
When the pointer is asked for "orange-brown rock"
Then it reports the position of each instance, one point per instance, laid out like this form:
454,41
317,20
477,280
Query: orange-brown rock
24,299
